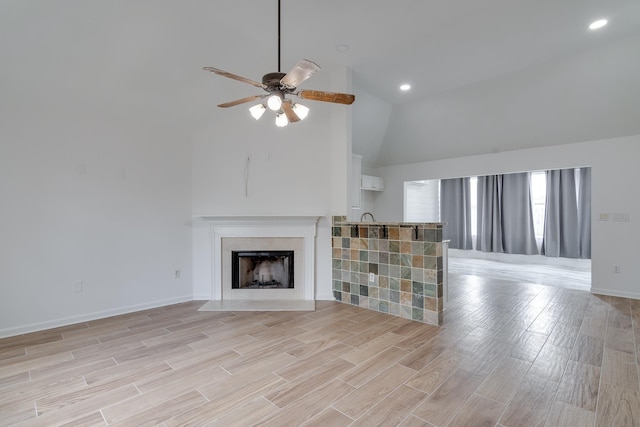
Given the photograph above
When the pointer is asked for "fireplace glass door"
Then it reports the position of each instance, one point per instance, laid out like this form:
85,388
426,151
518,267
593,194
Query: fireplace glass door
262,270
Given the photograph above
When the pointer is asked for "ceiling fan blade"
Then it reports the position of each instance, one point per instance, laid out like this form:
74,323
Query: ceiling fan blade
299,73
288,111
240,101
234,77
319,95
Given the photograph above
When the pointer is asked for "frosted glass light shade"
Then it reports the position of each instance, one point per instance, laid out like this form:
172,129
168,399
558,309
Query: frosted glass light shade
300,110
281,120
257,111
274,102
598,24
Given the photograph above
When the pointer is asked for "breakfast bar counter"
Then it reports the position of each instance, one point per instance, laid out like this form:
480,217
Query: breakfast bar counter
390,267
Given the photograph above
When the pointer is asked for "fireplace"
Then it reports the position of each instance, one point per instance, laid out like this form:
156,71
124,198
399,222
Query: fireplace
263,269
260,234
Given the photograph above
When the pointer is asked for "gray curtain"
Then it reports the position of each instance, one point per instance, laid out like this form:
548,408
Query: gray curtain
561,231
489,233
519,236
584,212
505,218
455,211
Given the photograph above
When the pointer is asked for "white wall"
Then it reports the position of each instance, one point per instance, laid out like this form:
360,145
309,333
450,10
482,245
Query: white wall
591,95
298,170
367,204
109,200
88,197
370,120
422,201
615,177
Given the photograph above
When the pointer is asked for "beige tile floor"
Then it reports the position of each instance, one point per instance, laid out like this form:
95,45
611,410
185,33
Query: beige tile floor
538,269
508,354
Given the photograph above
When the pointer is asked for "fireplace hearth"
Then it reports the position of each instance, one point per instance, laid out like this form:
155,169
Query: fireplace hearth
262,269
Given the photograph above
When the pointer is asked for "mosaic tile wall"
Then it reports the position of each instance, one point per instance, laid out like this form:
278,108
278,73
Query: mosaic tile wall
406,260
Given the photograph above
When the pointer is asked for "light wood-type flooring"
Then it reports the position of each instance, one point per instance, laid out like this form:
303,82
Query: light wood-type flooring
559,272
508,355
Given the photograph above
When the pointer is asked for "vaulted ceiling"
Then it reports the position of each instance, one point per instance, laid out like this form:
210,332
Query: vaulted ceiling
144,58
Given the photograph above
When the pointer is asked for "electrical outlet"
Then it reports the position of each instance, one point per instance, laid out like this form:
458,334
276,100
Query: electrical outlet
81,169
372,277
604,217
176,273
77,286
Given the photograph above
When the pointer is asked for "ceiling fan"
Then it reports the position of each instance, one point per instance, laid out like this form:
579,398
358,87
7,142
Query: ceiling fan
278,85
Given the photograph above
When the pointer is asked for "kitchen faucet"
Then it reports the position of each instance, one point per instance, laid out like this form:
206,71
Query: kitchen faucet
365,214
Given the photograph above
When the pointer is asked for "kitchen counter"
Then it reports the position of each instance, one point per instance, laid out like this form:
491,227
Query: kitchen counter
390,267
390,223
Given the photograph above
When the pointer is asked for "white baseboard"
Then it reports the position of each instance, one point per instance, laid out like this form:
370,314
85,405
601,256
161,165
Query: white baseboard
609,292
324,297
64,321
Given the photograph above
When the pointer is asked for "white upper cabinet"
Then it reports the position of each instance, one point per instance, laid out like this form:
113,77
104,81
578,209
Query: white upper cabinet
374,183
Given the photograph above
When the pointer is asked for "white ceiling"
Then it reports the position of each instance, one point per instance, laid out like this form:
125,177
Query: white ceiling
145,57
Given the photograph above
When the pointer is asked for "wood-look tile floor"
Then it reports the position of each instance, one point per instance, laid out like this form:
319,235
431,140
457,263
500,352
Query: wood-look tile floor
559,272
508,354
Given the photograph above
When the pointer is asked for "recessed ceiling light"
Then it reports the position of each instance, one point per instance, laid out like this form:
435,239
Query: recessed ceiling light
405,87
598,24
342,47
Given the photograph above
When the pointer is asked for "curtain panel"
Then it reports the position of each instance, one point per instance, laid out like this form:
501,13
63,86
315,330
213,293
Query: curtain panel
455,211
567,221
584,213
561,236
505,214
489,214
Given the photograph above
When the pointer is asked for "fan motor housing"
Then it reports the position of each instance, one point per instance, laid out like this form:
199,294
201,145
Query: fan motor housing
272,80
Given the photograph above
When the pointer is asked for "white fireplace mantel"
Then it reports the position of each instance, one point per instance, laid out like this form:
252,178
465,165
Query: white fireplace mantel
262,227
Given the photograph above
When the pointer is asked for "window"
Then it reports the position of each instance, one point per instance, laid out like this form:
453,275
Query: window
422,201
473,193
538,199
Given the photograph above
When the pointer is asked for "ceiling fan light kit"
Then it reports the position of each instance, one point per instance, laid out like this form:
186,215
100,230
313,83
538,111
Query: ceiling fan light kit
281,120
279,84
274,102
257,111
300,110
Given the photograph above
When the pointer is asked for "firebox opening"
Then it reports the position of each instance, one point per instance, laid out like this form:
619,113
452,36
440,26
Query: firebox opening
262,269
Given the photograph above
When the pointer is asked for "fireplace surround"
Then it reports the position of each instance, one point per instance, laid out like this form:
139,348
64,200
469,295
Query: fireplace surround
260,245
258,233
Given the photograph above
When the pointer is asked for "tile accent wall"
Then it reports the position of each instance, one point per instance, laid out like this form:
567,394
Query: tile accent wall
406,259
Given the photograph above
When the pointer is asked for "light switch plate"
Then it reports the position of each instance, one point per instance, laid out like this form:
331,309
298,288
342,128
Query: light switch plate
621,217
